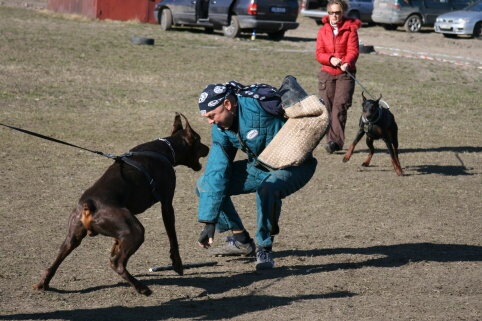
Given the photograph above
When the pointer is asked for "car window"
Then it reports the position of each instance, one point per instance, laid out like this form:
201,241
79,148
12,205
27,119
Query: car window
313,5
438,4
410,3
475,6
460,4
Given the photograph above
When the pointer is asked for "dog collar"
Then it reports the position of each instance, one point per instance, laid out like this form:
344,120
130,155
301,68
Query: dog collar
172,150
366,121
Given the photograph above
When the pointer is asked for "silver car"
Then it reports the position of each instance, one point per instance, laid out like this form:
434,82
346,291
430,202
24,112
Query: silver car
413,14
464,22
316,10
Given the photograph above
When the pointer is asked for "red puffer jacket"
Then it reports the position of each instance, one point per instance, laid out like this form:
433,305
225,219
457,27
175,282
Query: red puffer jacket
344,45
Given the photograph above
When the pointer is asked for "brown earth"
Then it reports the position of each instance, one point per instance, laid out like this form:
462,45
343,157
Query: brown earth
355,244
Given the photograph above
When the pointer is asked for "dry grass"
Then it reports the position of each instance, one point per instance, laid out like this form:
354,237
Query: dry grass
356,243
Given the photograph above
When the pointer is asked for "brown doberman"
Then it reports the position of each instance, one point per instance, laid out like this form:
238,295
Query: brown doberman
136,181
377,122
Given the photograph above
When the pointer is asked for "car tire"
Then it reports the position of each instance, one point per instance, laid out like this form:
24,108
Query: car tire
363,49
166,20
478,31
413,23
232,30
277,36
354,14
142,41
390,27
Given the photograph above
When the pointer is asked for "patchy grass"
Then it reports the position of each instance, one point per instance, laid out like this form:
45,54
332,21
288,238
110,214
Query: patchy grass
355,244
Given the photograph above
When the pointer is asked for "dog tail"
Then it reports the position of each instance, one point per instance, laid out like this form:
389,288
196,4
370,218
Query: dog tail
88,209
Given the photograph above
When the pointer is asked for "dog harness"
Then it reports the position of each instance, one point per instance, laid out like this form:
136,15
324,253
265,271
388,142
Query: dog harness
368,125
121,158
125,158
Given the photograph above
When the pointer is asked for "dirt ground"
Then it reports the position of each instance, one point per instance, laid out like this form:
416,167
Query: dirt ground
355,244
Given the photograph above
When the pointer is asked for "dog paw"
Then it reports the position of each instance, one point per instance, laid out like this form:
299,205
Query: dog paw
144,290
40,286
179,269
365,164
177,263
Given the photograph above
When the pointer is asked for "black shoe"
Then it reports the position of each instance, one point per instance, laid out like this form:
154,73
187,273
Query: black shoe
331,147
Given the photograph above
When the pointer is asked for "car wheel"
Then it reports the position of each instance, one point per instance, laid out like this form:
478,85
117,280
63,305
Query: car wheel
166,19
390,27
413,24
232,30
478,31
354,14
276,36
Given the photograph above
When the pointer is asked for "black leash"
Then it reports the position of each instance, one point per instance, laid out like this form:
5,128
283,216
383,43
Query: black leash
353,77
356,80
123,158
59,141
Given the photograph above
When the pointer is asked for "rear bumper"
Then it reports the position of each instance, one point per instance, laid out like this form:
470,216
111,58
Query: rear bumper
248,22
388,19
314,14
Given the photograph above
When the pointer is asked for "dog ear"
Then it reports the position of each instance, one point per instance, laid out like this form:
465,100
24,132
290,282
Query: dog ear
177,125
189,131
378,100
188,136
363,96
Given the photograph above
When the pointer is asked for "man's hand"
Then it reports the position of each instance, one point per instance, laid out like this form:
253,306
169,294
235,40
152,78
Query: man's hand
207,236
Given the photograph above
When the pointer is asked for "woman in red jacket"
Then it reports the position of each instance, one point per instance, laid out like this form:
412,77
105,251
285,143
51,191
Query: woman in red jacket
337,51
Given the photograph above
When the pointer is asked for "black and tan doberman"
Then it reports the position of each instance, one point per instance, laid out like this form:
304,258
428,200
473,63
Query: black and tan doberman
377,123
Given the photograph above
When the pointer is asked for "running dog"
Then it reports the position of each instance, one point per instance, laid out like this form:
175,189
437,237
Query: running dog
136,181
377,122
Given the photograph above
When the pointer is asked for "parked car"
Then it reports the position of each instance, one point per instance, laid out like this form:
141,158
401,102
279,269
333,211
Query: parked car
412,14
273,17
360,9
316,10
464,22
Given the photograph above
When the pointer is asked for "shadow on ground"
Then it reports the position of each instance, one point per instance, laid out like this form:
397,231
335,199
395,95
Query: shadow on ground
204,307
448,170
209,309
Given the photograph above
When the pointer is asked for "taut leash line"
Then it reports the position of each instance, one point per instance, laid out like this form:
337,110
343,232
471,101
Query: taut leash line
123,158
58,141
349,74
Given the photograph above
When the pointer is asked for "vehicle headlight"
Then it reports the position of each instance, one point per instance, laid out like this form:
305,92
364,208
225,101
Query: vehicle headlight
463,20
439,20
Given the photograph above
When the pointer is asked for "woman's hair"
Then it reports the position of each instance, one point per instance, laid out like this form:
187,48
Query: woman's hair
342,3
